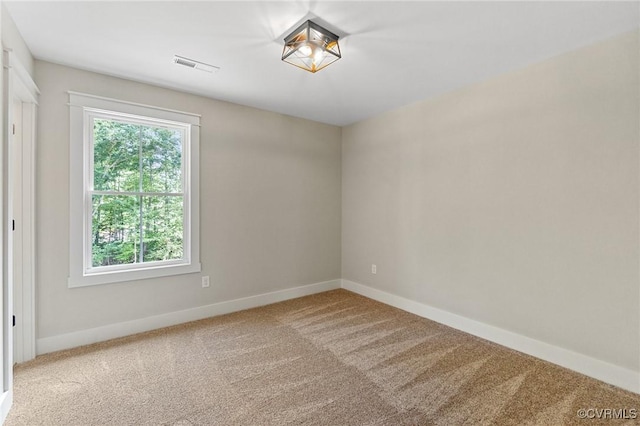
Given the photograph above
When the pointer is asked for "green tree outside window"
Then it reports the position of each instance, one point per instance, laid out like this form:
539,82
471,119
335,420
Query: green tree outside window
138,193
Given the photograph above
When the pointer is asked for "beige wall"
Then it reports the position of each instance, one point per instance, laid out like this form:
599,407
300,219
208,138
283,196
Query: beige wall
270,206
513,202
12,39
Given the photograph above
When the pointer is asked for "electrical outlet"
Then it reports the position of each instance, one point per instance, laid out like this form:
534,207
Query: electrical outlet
374,269
205,281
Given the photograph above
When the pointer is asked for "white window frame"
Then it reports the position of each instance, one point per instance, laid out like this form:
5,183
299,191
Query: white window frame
83,108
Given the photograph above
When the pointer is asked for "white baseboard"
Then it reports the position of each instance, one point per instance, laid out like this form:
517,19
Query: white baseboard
601,370
112,331
6,400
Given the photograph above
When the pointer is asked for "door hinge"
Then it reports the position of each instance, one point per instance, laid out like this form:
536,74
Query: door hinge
14,320
13,225
13,129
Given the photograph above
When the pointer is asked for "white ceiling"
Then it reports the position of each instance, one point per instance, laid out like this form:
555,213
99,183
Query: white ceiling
394,53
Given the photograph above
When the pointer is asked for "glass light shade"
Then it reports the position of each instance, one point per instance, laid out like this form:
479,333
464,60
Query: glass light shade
311,47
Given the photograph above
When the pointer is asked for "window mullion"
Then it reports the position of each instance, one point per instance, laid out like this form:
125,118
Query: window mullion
136,193
141,229
140,185
88,200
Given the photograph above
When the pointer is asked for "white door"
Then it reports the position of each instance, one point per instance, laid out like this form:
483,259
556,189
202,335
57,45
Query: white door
16,228
17,171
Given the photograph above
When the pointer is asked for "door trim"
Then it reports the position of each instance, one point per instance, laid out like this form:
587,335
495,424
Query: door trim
20,86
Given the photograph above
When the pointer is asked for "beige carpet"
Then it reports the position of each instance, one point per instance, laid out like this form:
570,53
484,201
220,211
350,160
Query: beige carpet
330,359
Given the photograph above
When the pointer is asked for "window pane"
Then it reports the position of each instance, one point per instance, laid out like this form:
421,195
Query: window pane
115,230
116,155
163,228
161,159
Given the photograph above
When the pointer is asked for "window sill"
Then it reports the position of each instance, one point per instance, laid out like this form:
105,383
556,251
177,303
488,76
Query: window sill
138,274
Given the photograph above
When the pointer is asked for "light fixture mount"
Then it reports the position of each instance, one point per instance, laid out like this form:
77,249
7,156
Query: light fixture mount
311,47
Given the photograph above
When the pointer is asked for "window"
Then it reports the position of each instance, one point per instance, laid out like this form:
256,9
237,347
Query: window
134,191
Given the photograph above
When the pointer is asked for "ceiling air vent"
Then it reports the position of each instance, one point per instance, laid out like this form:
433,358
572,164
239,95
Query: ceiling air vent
180,60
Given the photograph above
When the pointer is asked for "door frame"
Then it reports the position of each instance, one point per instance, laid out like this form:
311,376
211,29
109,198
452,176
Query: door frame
19,86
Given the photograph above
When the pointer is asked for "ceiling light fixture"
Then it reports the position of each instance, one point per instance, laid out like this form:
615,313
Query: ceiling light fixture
311,47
